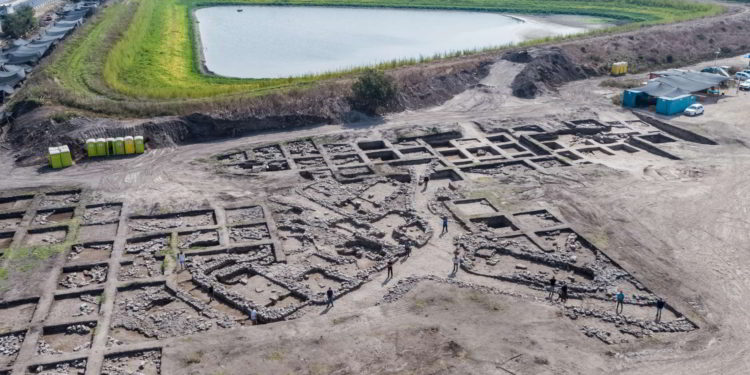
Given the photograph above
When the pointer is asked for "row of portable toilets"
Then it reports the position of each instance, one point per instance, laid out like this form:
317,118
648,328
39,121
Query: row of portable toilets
60,157
115,146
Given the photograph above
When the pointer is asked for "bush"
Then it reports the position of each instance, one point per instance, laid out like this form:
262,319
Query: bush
373,90
20,23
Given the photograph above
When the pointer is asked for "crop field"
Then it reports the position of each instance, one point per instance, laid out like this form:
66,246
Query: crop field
145,51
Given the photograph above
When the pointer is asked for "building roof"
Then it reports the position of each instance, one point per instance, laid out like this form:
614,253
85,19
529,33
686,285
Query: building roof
675,83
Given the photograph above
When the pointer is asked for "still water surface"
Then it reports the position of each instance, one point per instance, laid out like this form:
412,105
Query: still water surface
283,41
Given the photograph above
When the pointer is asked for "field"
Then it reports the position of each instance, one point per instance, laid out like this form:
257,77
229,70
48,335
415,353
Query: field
139,57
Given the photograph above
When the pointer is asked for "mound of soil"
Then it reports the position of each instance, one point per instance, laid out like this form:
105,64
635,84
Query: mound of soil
546,68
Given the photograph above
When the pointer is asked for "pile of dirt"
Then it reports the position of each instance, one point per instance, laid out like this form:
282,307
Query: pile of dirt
545,69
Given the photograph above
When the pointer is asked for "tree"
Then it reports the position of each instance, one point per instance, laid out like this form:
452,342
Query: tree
20,22
373,90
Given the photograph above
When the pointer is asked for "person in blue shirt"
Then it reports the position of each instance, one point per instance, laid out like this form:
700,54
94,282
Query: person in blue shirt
620,302
445,225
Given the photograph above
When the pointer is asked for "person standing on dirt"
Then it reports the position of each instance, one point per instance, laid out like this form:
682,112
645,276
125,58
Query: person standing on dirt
329,294
564,293
181,259
407,249
552,283
456,264
445,225
659,306
620,302
390,269
211,293
254,317
426,180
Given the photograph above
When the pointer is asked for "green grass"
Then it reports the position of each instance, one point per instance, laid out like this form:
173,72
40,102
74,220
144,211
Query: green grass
140,56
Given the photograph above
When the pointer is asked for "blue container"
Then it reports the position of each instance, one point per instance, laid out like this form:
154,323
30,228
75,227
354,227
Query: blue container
673,106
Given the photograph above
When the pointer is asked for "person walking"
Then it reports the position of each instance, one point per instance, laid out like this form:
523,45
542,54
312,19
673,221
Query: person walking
390,269
620,302
456,264
329,294
552,283
426,180
254,317
407,250
564,293
181,259
659,306
445,225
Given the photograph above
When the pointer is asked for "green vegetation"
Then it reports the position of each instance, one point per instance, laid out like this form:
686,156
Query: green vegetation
140,57
373,90
20,23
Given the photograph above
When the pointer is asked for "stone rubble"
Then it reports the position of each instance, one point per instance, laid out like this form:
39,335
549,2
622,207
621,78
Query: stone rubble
94,275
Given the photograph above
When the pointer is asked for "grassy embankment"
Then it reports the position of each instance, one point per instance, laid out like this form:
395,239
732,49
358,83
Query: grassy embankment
139,57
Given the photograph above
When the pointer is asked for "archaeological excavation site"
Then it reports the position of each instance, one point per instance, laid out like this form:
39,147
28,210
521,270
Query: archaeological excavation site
528,209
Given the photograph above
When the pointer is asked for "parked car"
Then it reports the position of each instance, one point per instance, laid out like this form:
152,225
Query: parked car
742,76
694,110
745,86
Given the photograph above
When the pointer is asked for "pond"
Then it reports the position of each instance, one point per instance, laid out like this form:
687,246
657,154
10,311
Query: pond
284,41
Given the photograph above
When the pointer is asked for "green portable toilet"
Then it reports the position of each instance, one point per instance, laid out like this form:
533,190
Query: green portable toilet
54,158
139,146
65,157
129,145
110,146
101,147
119,146
91,147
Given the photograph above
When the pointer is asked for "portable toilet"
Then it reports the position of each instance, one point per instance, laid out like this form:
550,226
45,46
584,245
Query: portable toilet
129,145
91,150
54,158
101,147
119,146
139,146
110,146
66,158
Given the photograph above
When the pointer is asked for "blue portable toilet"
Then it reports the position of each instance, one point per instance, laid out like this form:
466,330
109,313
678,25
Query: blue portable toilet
673,106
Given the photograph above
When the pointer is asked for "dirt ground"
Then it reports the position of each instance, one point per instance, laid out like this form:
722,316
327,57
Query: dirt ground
653,226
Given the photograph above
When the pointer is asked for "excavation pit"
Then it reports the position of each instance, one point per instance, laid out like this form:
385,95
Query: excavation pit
378,192
60,198
453,155
235,157
553,145
417,152
45,236
153,244
16,314
277,165
318,282
104,213
339,148
97,232
153,223
249,233
596,152
10,344
624,148
18,202
658,138
256,288
73,367
244,214
570,155
302,147
473,207
379,156
70,338
501,138
141,267
90,252
468,142
73,277
10,220
569,242
198,239
73,306
536,219
268,153
141,363
513,148
371,145
55,216
497,224
308,163
482,152
347,159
